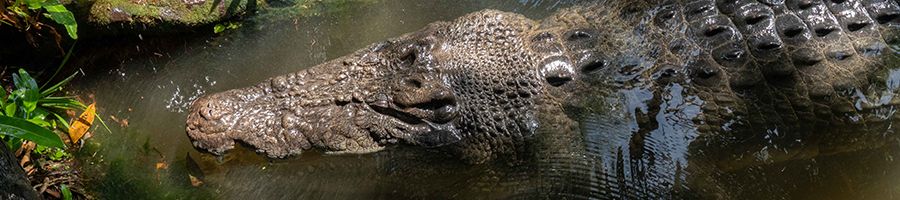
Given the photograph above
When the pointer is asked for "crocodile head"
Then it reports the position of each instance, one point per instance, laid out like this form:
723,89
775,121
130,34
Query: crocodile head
471,84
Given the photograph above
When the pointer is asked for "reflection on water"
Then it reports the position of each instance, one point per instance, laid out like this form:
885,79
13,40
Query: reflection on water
638,145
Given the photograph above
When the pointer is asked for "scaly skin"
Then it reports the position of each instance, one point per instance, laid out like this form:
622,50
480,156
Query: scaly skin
484,84
470,84
670,93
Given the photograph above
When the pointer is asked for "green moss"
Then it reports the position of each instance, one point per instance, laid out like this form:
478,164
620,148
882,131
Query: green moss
182,12
307,8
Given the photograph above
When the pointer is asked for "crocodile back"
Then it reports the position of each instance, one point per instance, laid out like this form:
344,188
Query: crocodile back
712,86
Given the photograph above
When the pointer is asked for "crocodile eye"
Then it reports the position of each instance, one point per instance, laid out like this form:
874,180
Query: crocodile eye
409,57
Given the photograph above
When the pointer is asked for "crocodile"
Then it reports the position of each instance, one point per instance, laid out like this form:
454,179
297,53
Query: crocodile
707,75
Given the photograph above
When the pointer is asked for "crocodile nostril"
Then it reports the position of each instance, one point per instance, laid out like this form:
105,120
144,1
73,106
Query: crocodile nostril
557,81
208,107
413,83
208,111
557,70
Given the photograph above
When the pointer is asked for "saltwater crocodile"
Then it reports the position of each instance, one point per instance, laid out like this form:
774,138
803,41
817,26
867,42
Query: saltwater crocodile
712,74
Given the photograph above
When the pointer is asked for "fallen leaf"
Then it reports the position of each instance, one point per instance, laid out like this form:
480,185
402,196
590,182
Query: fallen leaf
122,122
24,159
196,182
53,193
161,165
82,124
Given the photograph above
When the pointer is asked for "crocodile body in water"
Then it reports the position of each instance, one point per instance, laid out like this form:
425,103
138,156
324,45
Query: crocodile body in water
703,76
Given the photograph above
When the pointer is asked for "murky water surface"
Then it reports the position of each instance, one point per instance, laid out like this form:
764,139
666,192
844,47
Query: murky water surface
148,155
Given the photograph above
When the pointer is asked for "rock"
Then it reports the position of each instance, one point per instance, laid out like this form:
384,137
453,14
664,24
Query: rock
13,184
174,12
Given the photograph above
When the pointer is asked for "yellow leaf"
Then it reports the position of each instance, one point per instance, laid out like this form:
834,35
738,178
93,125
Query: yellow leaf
82,124
162,165
196,182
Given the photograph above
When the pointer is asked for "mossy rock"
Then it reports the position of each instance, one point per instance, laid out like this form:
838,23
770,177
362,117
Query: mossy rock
174,12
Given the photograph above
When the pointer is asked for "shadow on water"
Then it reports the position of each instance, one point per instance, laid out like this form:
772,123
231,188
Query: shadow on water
149,156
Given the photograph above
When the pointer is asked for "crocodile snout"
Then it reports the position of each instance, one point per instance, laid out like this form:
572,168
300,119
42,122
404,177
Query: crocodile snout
208,110
205,124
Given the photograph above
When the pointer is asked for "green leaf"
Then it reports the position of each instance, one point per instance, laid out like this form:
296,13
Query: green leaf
24,129
30,99
34,4
52,153
18,11
24,81
39,122
57,86
10,109
218,28
58,13
66,193
62,121
3,96
40,113
15,95
61,102
14,143
61,64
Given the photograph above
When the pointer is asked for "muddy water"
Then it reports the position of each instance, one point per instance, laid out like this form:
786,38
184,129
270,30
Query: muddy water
148,156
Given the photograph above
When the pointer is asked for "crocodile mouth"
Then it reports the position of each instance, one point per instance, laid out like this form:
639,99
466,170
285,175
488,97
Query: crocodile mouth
432,123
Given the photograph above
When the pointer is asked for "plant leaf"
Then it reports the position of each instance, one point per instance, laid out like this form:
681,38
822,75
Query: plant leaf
61,102
33,4
10,109
66,193
61,64
30,99
40,114
62,121
82,124
13,143
24,129
3,96
57,86
58,13
218,28
38,122
24,81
